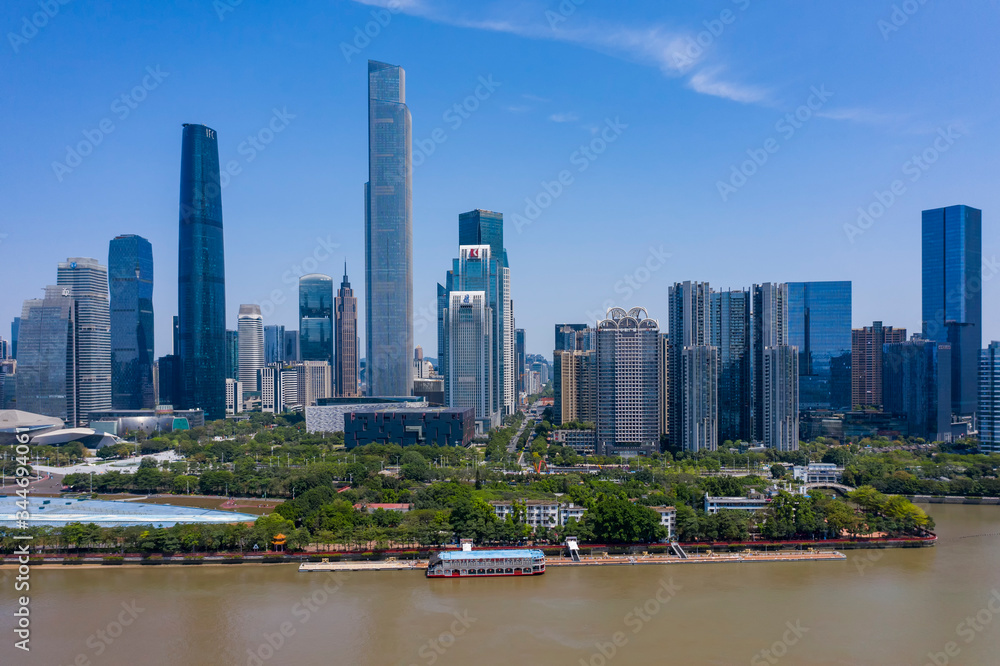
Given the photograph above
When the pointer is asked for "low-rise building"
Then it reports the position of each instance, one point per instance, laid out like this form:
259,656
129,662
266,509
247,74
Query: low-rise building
581,441
431,426
540,513
668,518
375,506
754,501
818,473
567,511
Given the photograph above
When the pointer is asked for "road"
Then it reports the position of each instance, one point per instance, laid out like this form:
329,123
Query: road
528,422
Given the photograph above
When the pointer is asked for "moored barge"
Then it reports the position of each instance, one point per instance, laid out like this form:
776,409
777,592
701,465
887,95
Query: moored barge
484,563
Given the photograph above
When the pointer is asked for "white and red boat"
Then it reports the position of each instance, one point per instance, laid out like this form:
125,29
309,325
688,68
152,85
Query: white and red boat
467,563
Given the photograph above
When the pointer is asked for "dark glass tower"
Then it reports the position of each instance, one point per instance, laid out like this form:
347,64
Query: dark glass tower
201,276
316,318
819,324
953,295
388,234
731,334
130,280
483,227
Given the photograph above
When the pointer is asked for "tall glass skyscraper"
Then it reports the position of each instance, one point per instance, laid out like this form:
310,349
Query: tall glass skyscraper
989,398
388,234
87,282
250,325
731,335
201,275
953,294
274,344
819,324
316,318
130,281
46,372
14,332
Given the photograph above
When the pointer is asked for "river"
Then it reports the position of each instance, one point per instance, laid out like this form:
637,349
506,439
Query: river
909,606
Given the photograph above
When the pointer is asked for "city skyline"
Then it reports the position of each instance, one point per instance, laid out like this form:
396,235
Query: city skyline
827,199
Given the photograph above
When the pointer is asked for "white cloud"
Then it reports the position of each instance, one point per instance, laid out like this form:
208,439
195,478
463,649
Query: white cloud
564,117
707,82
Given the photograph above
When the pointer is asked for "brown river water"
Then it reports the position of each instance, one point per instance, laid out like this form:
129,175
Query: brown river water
934,606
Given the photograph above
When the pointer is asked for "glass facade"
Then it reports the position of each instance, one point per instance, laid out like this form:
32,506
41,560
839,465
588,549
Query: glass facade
952,240
45,375
519,354
731,335
86,280
201,276
274,344
388,234
819,324
14,326
130,281
989,398
316,318
916,385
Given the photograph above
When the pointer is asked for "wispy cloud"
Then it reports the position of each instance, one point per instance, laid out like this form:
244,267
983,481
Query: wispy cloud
861,115
519,108
707,82
564,117
658,46
535,98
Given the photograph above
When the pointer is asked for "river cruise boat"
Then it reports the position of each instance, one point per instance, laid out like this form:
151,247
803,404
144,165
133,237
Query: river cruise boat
476,563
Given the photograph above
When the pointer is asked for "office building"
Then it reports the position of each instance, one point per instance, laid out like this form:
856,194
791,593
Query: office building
569,338
292,347
769,328
234,396
313,381
346,339
699,386
201,275
519,360
628,385
430,389
819,325
577,398
866,363
916,386
665,386
47,371
781,398
250,325
14,328
731,336
989,398
274,344
168,370
689,320
316,318
232,354
87,283
470,378
130,282
271,395
388,234
424,426
952,242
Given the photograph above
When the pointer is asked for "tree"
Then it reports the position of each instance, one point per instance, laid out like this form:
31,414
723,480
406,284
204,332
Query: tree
778,471
617,520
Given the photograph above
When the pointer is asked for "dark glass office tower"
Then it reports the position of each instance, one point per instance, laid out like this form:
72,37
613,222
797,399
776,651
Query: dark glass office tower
316,318
274,344
731,334
519,356
388,234
130,280
232,354
201,276
953,295
14,332
819,324
483,227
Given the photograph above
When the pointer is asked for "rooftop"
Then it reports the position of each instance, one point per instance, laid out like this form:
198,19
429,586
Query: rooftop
490,554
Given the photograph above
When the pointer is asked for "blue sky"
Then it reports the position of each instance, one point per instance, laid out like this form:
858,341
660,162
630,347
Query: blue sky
644,109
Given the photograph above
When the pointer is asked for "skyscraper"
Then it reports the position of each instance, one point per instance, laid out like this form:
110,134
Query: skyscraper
250,325
989,398
731,335
232,354
201,275
14,327
769,328
87,283
292,347
952,295
519,363
689,319
916,385
130,278
346,310
274,344
46,373
388,234
819,325
570,338
781,398
316,318
628,393
699,386
866,362
469,345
